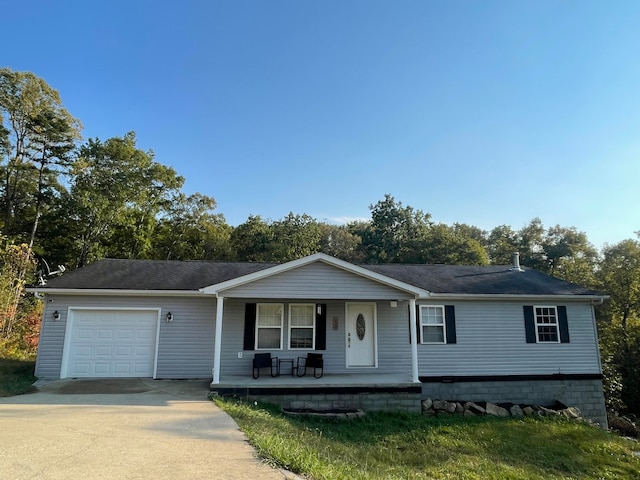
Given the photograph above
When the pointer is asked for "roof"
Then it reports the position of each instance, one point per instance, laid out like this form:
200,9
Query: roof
480,280
160,275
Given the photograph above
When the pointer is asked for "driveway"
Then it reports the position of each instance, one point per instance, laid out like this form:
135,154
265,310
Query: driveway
123,429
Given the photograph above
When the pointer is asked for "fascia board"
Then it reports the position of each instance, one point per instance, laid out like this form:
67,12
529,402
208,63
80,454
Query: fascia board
514,297
114,292
317,257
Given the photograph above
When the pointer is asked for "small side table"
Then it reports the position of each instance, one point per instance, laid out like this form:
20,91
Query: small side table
282,361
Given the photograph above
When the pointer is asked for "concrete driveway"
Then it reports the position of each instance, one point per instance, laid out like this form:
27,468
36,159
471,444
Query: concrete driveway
123,429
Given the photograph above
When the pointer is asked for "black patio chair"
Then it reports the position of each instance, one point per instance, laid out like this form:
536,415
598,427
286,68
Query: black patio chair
312,360
265,360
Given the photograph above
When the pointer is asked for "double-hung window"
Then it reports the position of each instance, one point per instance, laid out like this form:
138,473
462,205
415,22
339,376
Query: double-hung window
546,319
269,319
432,324
302,325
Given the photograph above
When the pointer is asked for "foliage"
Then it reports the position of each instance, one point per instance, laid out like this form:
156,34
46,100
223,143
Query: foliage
394,446
16,376
37,135
16,267
619,324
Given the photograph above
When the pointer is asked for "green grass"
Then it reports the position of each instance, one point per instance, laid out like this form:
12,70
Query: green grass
16,377
405,446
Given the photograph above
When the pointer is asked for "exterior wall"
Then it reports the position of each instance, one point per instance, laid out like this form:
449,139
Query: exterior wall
185,347
394,353
491,341
587,395
316,280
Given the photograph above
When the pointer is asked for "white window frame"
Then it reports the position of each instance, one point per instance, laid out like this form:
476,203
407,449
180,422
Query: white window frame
313,327
537,324
258,327
444,325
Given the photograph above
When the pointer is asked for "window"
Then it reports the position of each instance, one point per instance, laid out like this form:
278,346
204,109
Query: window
269,326
546,321
302,319
432,324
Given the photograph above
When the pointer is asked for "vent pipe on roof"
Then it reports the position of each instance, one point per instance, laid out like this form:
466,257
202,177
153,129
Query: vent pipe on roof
516,263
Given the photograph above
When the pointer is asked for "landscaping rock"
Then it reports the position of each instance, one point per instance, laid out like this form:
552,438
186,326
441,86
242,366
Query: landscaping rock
474,408
571,412
439,405
468,413
496,411
427,404
459,408
516,411
528,411
547,412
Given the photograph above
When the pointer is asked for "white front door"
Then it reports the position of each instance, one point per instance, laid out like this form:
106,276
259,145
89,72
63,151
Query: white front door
361,334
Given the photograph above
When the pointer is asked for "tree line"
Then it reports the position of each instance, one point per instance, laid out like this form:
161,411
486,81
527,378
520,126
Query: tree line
65,201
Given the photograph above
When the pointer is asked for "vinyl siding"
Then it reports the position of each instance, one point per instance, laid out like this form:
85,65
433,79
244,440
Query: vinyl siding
394,354
185,346
491,341
316,280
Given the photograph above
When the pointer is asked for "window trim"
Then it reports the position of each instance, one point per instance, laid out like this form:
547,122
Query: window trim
444,325
258,327
313,327
537,324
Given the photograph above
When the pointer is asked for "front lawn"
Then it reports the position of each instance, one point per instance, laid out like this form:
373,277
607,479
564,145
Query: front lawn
16,376
405,446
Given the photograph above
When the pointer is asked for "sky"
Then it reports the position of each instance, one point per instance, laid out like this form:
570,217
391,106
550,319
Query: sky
480,112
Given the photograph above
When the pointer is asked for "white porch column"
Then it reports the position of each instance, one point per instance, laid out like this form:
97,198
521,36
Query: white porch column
414,340
218,339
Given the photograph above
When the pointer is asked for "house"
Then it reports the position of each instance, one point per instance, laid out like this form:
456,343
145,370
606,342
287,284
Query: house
390,335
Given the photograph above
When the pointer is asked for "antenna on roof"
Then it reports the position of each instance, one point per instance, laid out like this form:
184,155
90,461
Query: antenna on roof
44,271
516,263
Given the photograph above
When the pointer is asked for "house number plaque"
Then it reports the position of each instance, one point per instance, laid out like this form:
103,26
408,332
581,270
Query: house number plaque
360,326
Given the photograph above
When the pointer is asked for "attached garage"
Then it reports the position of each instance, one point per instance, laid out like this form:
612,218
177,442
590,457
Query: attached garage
110,343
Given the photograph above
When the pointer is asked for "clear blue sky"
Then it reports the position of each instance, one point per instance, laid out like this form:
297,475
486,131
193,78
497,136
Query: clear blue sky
482,112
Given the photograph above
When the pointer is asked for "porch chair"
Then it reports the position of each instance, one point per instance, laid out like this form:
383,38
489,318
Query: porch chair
265,360
312,360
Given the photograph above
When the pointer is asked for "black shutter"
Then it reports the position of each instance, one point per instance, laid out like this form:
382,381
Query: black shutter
563,323
450,321
529,324
250,326
321,326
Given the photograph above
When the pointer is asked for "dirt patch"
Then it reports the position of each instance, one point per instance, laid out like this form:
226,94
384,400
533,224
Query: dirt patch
104,386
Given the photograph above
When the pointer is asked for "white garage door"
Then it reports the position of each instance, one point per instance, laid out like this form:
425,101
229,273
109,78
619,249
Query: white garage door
110,343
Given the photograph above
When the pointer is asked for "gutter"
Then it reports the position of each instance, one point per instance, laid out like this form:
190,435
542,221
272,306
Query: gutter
115,292
594,299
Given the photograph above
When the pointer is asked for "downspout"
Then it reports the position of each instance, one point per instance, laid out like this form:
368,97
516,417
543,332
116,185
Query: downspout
218,339
413,329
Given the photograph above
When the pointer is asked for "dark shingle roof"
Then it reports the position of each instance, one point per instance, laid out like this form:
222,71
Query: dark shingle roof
194,275
153,274
479,280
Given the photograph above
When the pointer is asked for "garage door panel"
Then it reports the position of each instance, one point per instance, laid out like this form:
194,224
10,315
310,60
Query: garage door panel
119,343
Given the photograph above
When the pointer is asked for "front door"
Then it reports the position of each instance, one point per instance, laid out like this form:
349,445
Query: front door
361,335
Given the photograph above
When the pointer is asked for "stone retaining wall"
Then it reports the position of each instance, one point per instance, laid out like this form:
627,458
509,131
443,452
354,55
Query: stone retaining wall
587,395
369,402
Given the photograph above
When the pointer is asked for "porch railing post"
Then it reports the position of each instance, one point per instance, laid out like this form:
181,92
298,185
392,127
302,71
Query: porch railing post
414,340
218,340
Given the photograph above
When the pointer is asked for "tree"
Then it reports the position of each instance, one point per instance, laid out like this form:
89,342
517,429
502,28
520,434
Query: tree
395,233
569,255
338,241
36,133
117,191
16,264
295,236
251,241
619,319
190,230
